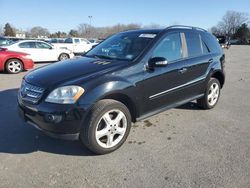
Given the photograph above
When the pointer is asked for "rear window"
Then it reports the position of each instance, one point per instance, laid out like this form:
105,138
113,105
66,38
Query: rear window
194,44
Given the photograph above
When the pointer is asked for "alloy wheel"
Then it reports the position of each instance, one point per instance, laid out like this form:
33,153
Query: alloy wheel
111,128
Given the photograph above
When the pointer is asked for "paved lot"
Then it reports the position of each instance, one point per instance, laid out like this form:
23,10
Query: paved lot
182,147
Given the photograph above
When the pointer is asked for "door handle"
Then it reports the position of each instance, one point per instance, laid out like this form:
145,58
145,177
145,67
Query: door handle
210,61
182,70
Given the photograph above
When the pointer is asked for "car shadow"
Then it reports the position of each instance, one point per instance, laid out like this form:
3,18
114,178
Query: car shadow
189,106
17,137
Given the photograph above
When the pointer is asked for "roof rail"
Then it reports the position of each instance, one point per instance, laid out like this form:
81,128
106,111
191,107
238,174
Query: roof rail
185,26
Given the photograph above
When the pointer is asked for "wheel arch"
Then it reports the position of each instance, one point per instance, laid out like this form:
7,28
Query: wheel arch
219,76
126,100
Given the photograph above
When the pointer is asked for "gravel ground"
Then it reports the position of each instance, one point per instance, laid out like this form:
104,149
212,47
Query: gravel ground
181,147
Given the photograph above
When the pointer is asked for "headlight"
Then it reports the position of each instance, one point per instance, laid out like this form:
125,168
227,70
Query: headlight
65,95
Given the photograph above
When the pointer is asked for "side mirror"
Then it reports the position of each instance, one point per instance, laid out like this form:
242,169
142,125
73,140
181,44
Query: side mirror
157,62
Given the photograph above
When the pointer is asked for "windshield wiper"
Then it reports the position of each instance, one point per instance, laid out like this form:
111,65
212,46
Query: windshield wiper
101,56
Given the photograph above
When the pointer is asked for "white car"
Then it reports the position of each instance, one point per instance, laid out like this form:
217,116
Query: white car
76,45
40,51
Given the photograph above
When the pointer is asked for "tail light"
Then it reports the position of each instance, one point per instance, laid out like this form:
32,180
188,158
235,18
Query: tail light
3,49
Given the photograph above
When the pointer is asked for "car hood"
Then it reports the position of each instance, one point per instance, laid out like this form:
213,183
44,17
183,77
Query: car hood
64,71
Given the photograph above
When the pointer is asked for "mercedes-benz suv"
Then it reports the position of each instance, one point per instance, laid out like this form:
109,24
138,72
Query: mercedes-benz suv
128,77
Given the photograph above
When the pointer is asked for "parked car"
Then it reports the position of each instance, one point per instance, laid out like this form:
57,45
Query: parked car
128,77
224,42
15,62
4,41
234,41
40,51
94,41
56,40
76,45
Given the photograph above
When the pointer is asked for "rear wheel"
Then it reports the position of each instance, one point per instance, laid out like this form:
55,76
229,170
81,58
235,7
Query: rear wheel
14,66
63,56
107,126
212,94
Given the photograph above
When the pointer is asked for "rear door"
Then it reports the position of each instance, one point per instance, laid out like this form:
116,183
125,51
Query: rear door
198,60
30,48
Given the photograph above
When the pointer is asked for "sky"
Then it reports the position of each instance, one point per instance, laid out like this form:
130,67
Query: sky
64,15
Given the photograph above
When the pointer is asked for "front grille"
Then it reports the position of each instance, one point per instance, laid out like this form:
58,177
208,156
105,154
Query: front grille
30,93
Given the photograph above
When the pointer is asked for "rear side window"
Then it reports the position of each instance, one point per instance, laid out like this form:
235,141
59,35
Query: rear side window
194,44
76,40
211,42
27,45
170,47
68,40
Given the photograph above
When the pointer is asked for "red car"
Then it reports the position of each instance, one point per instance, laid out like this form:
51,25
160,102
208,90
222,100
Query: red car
14,62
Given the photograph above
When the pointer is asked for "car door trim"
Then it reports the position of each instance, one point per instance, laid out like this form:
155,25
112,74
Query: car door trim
178,87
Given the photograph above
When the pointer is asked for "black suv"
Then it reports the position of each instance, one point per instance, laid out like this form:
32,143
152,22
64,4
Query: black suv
129,76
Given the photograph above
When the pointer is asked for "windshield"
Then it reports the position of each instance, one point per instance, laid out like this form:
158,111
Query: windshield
5,42
122,46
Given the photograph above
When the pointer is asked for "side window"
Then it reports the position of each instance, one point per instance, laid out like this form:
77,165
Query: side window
27,45
194,44
42,45
68,40
205,49
83,41
211,43
76,40
170,47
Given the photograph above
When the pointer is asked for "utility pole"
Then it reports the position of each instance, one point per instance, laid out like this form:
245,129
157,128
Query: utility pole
90,17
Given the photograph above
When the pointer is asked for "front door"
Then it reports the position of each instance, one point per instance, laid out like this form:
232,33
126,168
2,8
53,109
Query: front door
163,85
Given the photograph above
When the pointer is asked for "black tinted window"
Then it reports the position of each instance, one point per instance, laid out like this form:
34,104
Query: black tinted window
169,47
68,40
194,44
27,45
211,42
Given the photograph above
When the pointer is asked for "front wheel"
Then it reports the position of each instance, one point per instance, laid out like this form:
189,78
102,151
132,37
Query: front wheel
107,126
63,56
212,94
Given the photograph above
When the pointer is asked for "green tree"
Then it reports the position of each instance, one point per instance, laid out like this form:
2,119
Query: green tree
242,33
8,30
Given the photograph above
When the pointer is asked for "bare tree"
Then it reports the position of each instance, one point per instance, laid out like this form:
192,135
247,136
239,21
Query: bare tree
39,32
153,26
83,29
231,21
1,30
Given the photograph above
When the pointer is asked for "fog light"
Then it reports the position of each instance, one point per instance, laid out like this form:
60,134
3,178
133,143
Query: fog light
53,118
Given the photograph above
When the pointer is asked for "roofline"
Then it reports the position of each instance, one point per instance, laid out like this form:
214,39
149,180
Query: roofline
185,27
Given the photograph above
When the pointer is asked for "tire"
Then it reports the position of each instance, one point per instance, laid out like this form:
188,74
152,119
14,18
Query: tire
14,66
63,56
106,127
211,96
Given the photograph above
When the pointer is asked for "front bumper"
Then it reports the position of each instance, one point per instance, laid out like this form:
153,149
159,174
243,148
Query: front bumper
60,121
